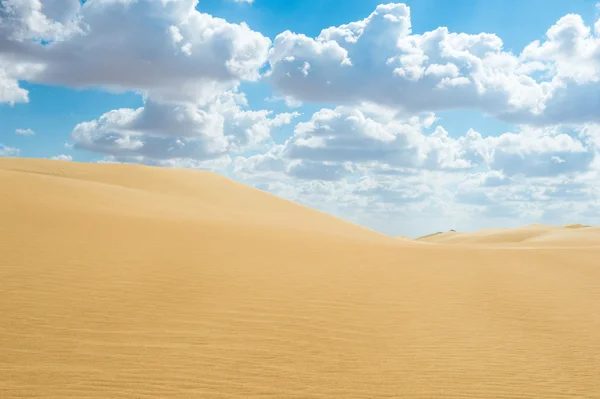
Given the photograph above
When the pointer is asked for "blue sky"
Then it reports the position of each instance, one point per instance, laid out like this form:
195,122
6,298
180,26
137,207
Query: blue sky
374,140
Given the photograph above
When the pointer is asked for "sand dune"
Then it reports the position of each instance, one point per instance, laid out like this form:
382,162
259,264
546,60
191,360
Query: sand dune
570,235
536,234
440,236
123,281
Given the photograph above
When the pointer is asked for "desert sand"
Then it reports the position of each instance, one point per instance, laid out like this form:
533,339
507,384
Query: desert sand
532,236
122,281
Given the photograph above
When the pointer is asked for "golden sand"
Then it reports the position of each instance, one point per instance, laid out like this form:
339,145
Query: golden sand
536,235
122,281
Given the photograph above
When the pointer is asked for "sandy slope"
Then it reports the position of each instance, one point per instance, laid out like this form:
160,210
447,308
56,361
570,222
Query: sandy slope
135,282
535,235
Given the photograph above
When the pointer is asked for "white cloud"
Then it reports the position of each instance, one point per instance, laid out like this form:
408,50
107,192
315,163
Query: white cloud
36,20
570,51
337,143
24,21
165,49
187,65
10,92
348,135
379,60
244,1
62,157
8,151
25,132
10,72
218,164
533,152
180,131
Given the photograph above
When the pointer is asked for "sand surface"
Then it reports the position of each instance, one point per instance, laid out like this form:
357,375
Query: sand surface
120,281
533,236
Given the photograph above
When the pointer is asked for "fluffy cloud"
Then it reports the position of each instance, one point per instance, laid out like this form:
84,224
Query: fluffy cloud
165,49
24,26
348,135
180,131
187,64
339,142
571,51
379,60
533,152
36,20
10,72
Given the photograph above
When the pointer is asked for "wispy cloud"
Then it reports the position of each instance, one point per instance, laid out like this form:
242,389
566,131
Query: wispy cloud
8,151
62,157
25,132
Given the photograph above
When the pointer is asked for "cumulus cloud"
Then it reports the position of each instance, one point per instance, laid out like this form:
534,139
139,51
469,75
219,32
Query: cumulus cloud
348,135
165,49
25,132
379,60
24,26
187,64
532,152
343,141
10,72
36,20
570,51
10,92
161,131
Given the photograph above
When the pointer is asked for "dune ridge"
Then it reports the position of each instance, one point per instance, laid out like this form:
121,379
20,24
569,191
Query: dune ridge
536,234
122,281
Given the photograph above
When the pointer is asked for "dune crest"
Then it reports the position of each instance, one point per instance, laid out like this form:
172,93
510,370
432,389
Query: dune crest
123,281
576,226
572,234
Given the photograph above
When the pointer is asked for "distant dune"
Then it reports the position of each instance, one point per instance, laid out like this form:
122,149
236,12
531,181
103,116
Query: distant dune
576,226
572,234
122,281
